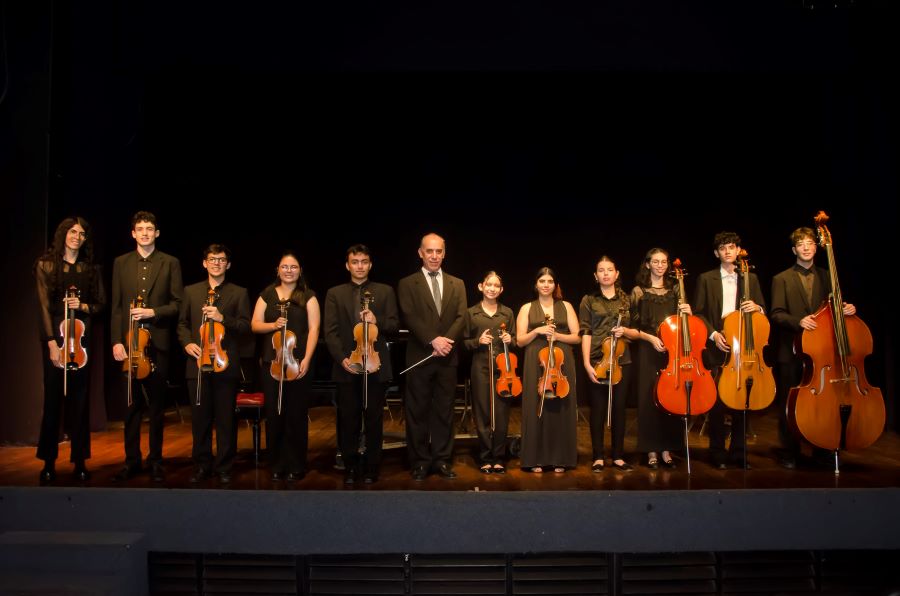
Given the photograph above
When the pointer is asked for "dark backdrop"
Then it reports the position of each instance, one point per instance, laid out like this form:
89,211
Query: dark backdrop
525,136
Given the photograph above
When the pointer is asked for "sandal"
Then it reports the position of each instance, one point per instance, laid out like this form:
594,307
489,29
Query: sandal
499,469
622,465
667,459
537,470
652,462
486,469
597,467
559,470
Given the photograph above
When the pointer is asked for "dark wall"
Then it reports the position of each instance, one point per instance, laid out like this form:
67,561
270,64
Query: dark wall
526,137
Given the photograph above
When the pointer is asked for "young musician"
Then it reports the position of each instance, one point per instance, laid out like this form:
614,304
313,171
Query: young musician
345,308
653,299
433,304
155,277
287,430
719,293
483,330
548,440
797,294
66,264
602,314
218,301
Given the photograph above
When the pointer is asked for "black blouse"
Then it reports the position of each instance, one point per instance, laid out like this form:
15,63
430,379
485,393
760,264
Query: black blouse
52,284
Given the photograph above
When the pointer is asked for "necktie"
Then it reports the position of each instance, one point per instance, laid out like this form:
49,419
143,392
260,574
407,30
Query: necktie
435,290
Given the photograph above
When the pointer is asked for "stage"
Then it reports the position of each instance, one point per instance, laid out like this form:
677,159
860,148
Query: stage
614,515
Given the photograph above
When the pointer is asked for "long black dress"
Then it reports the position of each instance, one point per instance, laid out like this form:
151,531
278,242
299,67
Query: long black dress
657,429
550,440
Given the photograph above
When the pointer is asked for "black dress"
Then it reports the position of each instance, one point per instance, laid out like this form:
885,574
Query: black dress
657,429
550,440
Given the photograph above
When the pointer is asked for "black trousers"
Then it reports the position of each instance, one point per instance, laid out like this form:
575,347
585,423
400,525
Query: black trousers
491,444
351,415
430,391
77,411
155,387
287,434
790,374
599,396
217,399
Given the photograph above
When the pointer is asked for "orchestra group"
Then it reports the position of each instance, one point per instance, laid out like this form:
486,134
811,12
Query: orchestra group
680,357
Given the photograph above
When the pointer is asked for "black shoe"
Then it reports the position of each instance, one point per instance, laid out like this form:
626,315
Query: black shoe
624,466
788,462
419,473
339,461
295,476
486,469
81,473
669,464
350,475
48,474
224,477
597,467
200,475
652,462
157,473
371,477
127,473
276,476
499,469
445,470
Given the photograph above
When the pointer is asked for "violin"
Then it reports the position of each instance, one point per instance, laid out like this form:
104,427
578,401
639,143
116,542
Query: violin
835,407
72,331
285,366
746,382
364,358
508,384
552,383
685,387
608,367
214,357
138,364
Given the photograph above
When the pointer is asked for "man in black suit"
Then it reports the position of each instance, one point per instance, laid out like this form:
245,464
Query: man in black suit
343,311
155,277
797,293
719,294
433,304
213,299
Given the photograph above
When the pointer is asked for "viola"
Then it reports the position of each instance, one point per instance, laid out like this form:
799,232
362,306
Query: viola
285,366
746,381
684,387
138,364
612,349
552,383
214,358
75,355
508,384
364,358
835,407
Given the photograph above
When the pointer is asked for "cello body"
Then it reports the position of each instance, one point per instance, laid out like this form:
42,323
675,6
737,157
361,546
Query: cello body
746,381
684,387
835,407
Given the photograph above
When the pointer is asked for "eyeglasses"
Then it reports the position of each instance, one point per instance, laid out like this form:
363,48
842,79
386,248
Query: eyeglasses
289,267
80,234
655,262
805,244
214,260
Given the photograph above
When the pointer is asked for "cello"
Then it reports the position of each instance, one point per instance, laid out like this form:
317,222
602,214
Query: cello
684,387
285,367
508,384
835,407
74,354
137,364
552,384
608,367
746,382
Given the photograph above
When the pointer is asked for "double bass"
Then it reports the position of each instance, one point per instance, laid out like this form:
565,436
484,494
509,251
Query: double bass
608,367
684,387
137,364
552,383
746,381
835,407
285,367
74,354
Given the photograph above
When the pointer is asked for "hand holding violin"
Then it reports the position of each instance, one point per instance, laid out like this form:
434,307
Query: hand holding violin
486,337
139,313
212,313
73,302
368,316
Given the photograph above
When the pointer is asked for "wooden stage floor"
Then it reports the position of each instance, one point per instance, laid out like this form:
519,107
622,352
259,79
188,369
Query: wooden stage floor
875,467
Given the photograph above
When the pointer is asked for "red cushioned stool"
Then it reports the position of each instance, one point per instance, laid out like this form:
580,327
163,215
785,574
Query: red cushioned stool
249,407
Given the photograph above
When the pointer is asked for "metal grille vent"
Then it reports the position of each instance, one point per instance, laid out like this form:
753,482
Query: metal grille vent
560,574
249,574
458,575
174,573
767,572
357,574
860,572
668,573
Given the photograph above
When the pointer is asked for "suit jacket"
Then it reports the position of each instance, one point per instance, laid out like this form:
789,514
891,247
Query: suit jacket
233,303
708,298
789,305
164,296
420,315
341,316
